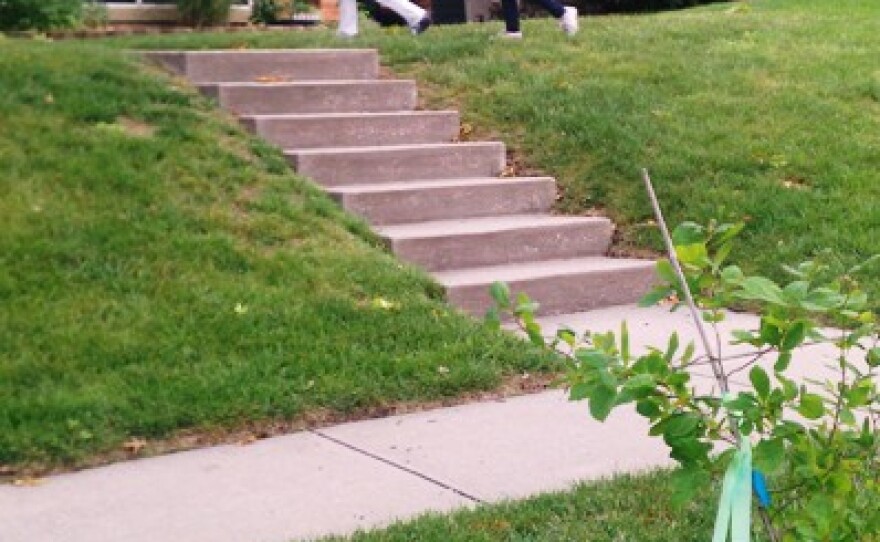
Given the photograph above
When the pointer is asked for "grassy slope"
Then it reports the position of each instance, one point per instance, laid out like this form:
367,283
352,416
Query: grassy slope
623,509
135,220
767,112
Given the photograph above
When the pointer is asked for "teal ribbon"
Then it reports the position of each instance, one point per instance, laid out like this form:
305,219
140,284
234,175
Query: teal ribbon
735,507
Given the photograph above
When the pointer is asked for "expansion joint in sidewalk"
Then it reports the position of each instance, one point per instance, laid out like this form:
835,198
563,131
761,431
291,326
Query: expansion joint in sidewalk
398,466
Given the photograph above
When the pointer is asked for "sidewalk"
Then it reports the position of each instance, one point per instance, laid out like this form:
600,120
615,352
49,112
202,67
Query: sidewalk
357,475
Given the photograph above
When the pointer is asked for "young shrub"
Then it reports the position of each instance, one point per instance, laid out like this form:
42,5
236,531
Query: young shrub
94,15
264,12
202,13
816,437
39,15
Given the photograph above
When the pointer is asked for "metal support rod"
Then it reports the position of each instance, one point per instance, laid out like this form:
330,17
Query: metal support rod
714,358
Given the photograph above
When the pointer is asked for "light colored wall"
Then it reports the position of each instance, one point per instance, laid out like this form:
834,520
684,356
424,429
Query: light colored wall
144,13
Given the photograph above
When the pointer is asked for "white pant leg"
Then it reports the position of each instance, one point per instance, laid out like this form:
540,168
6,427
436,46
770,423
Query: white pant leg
410,12
348,17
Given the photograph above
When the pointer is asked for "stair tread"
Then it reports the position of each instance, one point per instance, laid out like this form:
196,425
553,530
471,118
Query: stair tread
536,270
445,228
393,148
307,82
434,183
349,115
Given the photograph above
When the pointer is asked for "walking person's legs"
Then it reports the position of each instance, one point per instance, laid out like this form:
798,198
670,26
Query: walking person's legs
416,18
567,16
348,18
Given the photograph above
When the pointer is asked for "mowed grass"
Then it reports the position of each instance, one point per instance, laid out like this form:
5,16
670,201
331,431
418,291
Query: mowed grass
765,111
162,270
622,509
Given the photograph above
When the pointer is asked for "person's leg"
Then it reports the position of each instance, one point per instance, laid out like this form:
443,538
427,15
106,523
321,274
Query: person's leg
510,8
553,6
348,18
411,13
567,15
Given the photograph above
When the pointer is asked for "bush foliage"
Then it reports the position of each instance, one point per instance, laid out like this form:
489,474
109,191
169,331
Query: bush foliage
627,6
201,13
39,14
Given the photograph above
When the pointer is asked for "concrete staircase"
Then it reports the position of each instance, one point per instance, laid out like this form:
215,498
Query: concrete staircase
436,202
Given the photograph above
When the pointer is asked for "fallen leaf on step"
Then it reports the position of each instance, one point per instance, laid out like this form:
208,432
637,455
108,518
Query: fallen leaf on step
270,79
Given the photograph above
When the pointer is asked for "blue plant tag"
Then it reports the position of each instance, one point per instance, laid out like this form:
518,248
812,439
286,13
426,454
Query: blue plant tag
759,483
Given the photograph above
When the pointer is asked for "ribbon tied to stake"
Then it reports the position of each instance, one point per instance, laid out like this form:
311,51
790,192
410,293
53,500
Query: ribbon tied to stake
735,507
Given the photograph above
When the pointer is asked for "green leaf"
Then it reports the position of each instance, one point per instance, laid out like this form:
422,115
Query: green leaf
655,296
760,381
601,402
566,335
580,391
592,358
640,383
760,289
500,292
811,407
624,342
682,425
695,254
688,354
671,347
648,408
769,455
689,451
732,274
822,300
533,330
873,357
526,307
795,336
782,362
789,388
796,291
859,395
688,233
726,232
666,272
770,333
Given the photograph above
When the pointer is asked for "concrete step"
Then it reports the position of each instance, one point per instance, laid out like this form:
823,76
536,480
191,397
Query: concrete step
558,285
355,129
473,242
439,199
393,163
308,97
269,65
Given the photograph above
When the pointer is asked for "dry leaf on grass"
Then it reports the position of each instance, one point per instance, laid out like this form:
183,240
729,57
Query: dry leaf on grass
134,445
28,481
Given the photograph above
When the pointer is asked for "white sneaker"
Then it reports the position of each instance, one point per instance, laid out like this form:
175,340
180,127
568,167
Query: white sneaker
569,21
512,35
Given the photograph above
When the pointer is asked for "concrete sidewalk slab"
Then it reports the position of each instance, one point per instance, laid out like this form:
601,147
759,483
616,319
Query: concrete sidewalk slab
652,326
298,486
511,448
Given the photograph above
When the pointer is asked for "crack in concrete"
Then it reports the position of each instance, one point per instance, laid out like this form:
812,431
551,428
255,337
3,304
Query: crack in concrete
398,466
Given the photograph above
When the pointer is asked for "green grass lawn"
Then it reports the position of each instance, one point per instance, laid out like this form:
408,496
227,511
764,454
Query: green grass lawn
766,111
622,509
162,270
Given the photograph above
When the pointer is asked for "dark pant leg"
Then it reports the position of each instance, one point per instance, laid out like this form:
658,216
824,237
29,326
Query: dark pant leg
553,6
511,15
